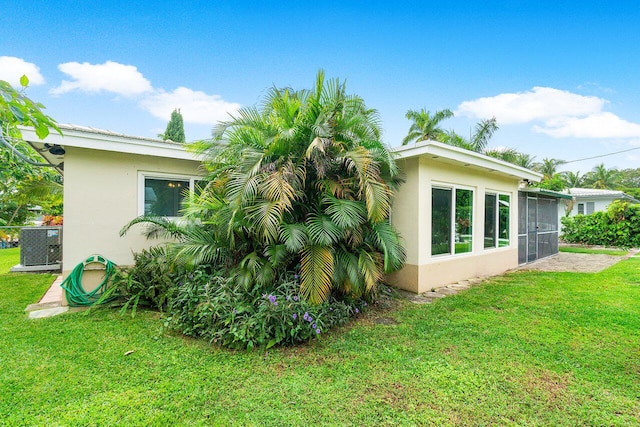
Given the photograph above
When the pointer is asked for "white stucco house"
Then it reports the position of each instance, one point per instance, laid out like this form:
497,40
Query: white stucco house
589,200
110,179
461,214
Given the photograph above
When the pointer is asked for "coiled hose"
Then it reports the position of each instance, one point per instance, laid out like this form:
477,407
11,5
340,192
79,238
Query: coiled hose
76,295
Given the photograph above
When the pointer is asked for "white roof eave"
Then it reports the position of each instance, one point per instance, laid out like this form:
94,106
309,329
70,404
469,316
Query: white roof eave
467,158
102,140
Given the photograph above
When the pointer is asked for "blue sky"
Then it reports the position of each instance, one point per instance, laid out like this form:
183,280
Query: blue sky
562,78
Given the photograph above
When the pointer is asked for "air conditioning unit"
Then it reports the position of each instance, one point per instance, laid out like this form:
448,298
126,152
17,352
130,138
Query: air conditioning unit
40,246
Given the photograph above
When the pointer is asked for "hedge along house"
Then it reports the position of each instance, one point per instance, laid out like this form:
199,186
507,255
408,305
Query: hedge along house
457,213
110,179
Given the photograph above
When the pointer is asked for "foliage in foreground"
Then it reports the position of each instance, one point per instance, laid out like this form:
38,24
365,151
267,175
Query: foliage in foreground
619,226
22,184
218,309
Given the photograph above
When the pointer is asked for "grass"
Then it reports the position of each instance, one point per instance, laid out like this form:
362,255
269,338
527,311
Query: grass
528,348
9,258
584,250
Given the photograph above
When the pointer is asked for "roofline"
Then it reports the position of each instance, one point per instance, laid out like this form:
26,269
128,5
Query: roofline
546,192
436,149
97,139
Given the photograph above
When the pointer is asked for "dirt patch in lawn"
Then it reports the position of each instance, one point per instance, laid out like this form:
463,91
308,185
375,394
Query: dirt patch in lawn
577,263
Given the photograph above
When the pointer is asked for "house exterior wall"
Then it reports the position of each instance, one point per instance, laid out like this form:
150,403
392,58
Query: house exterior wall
411,215
101,195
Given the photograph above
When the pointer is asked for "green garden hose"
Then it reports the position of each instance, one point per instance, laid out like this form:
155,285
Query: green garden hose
76,295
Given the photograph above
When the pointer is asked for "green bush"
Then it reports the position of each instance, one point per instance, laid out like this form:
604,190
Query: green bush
150,282
218,309
618,226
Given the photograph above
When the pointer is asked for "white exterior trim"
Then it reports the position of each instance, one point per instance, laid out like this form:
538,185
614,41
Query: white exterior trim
142,175
449,153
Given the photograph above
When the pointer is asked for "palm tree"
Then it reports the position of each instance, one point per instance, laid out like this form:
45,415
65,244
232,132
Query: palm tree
479,138
303,185
548,168
602,178
572,179
425,126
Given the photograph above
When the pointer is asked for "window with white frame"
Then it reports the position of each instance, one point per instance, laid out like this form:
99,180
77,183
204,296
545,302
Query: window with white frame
163,194
497,211
451,220
580,208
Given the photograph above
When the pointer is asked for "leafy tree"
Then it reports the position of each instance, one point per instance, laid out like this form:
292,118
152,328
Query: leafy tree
302,185
175,128
425,126
21,183
629,178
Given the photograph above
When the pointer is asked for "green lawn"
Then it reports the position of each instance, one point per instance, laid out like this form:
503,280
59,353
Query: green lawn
9,258
581,250
528,348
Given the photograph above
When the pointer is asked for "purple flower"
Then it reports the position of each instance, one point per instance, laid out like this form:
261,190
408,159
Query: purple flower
306,316
288,297
295,297
318,331
357,311
272,298
310,319
295,276
235,311
191,276
314,326
264,295
295,316
275,303
365,304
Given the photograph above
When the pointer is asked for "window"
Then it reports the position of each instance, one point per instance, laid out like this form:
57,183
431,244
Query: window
591,207
580,208
163,195
497,209
451,220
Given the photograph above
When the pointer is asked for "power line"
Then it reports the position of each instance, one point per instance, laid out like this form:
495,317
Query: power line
603,155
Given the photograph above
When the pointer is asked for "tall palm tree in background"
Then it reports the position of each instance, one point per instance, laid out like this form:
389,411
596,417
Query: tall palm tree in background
602,178
425,126
479,138
302,185
573,179
548,167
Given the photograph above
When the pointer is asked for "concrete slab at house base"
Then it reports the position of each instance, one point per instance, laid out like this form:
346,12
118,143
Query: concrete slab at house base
47,312
35,268
51,304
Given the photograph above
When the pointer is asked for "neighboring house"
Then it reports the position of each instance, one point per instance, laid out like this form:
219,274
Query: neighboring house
457,213
110,179
589,200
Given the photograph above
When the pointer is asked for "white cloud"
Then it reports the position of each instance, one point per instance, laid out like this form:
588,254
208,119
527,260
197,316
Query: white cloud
599,125
540,103
111,76
195,106
559,113
12,68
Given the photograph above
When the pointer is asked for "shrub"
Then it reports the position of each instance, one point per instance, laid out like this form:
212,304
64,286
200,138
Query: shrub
150,282
218,309
618,226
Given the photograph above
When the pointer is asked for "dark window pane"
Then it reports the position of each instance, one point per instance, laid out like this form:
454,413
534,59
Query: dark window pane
490,220
163,197
504,207
440,221
464,221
